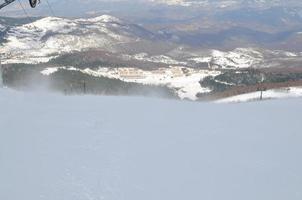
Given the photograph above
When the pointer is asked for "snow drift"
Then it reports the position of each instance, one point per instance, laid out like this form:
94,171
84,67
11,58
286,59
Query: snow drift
80,148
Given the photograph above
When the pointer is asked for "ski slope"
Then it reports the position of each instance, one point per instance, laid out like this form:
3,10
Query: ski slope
56,147
280,93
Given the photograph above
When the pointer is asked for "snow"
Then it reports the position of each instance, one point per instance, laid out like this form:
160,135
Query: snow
242,58
49,37
290,54
104,19
39,41
239,58
201,59
2,28
155,59
186,85
88,147
290,92
284,53
49,71
199,3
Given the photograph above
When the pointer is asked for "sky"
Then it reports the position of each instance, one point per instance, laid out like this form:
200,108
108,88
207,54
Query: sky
88,7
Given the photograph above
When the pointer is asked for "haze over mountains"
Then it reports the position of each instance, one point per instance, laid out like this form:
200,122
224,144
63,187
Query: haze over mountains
67,134
45,38
106,46
220,24
191,47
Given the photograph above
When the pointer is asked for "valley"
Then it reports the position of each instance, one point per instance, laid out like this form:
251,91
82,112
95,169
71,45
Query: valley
106,49
150,99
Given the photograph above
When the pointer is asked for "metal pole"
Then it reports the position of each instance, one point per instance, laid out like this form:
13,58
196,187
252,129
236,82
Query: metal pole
6,3
84,87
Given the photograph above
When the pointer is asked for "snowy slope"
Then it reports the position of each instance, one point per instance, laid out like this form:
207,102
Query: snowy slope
224,3
79,148
245,58
186,85
280,93
187,3
49,37
2,28
238,58
41,40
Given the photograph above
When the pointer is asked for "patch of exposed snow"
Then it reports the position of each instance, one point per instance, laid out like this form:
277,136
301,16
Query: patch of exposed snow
104,19
290,54
2,28
238,58
155,59
198,3
290,92
201,59
50,70
186,84
49,36
242,58
284,53
224,82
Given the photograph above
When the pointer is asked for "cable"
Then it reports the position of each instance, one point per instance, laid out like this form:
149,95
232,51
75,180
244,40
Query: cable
25,12
6,3
50,8
27,15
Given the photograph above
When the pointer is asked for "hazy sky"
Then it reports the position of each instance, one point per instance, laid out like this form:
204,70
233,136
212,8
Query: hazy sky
80,8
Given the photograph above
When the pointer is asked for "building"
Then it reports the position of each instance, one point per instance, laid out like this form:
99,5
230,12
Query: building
177,71
131,73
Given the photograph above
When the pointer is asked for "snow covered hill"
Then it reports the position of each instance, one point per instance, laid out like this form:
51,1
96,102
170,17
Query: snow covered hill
41,40
202,3
238,58
280,93
224,3
183,81
46,38
84,147
2,28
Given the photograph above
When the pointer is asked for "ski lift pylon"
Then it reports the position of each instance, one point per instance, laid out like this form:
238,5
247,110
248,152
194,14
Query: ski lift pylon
32,3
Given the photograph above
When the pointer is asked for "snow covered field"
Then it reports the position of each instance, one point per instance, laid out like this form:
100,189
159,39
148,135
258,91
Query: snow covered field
186,85
56,147
281,93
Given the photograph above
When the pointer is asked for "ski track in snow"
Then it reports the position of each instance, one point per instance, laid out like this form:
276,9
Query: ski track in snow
92,147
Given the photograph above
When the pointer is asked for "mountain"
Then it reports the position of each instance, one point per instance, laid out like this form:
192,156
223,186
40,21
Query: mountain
228,3
105,47
47,38
211,24
53,36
